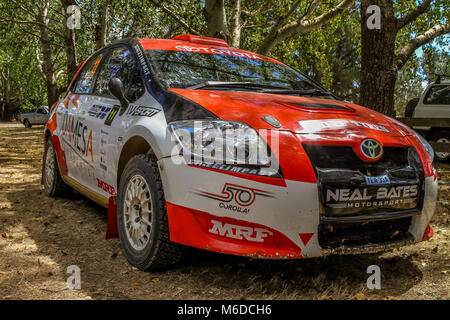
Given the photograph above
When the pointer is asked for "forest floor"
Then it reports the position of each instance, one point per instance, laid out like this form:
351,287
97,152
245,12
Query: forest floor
41,237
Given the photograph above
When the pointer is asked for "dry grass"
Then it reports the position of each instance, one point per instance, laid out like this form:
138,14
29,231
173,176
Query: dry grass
41,237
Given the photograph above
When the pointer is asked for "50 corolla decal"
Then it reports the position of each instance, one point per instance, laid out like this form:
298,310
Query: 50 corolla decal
235,197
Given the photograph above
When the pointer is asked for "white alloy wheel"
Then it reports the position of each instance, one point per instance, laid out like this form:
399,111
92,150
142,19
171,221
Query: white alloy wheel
137,212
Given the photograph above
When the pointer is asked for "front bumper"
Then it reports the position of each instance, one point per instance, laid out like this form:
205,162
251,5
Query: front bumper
255,216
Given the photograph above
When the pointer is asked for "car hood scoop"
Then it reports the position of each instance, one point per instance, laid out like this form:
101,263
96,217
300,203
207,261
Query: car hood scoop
302,115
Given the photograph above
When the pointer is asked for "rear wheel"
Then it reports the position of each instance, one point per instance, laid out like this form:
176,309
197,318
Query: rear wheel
27,123
53,183
442,136
142,217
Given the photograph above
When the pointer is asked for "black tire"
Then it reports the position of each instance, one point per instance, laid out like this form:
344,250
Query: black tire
27,123
54,186
441,136
410,107
159,252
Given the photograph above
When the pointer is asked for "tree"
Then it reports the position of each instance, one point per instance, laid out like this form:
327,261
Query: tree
385,51
36,19
226,20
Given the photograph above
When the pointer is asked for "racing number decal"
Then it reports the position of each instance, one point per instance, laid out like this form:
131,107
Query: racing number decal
112,114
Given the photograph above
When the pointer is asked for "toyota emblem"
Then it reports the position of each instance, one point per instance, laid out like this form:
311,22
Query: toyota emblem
371,148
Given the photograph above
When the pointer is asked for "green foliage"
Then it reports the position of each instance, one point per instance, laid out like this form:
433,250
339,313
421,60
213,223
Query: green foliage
330,55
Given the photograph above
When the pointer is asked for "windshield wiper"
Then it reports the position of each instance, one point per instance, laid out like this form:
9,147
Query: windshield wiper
310,92
242,84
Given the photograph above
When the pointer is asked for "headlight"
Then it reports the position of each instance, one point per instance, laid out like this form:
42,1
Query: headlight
427,146
215,141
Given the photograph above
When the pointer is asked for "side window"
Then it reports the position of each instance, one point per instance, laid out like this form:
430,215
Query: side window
86,77
121,64
438,95
41,111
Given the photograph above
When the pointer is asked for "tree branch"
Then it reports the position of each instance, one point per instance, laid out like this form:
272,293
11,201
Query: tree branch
414,44
310,10
413,15
175,17
300,26
39,64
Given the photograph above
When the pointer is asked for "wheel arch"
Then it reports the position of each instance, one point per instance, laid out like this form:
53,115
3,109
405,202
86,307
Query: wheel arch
135,145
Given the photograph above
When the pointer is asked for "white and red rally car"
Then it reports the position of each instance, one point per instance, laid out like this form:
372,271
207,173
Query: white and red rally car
188,141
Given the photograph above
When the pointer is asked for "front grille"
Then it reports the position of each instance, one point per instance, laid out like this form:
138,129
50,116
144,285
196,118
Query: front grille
363,234
346,186
343,157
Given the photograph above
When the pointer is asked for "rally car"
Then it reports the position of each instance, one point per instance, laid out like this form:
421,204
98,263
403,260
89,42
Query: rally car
189,142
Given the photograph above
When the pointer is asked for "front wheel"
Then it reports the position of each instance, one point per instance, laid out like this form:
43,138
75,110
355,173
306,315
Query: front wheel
27,123
142,217
442,136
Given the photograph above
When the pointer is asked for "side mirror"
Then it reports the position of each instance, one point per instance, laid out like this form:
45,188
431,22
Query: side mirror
115,86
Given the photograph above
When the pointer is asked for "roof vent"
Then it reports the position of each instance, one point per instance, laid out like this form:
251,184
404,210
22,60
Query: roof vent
202,40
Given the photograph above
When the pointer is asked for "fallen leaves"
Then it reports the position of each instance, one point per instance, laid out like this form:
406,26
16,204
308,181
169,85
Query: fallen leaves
361,296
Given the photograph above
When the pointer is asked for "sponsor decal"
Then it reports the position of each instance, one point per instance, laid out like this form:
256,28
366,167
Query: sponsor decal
103,143
374,181
142,62
263,171
332,124
219,51
142,111
78,136
112,114
238,232
404,197
371,148
99,112
236,198
106,187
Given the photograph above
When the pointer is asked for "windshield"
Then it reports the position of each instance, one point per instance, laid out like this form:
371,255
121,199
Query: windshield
183,69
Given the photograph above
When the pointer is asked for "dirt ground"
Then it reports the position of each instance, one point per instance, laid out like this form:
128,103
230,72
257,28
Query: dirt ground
40,237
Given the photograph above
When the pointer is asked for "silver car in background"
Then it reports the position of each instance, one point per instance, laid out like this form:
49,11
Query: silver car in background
39,116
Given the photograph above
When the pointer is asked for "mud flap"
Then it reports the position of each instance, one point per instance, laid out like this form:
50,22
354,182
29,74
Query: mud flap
112,230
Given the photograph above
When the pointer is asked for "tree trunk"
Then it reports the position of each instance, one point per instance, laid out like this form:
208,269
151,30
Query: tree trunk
100,28
69,43
47,62
216,19
378,72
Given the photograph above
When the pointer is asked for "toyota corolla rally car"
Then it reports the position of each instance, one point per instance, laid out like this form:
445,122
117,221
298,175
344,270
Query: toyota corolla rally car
188,141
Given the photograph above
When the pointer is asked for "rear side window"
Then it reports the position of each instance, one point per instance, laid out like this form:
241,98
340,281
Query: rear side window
121,64
86,77
438,95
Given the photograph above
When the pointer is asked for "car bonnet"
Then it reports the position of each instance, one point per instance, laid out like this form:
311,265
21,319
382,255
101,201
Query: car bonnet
302,115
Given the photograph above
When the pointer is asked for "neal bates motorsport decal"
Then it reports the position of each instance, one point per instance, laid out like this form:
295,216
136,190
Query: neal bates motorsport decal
236,198
342,201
